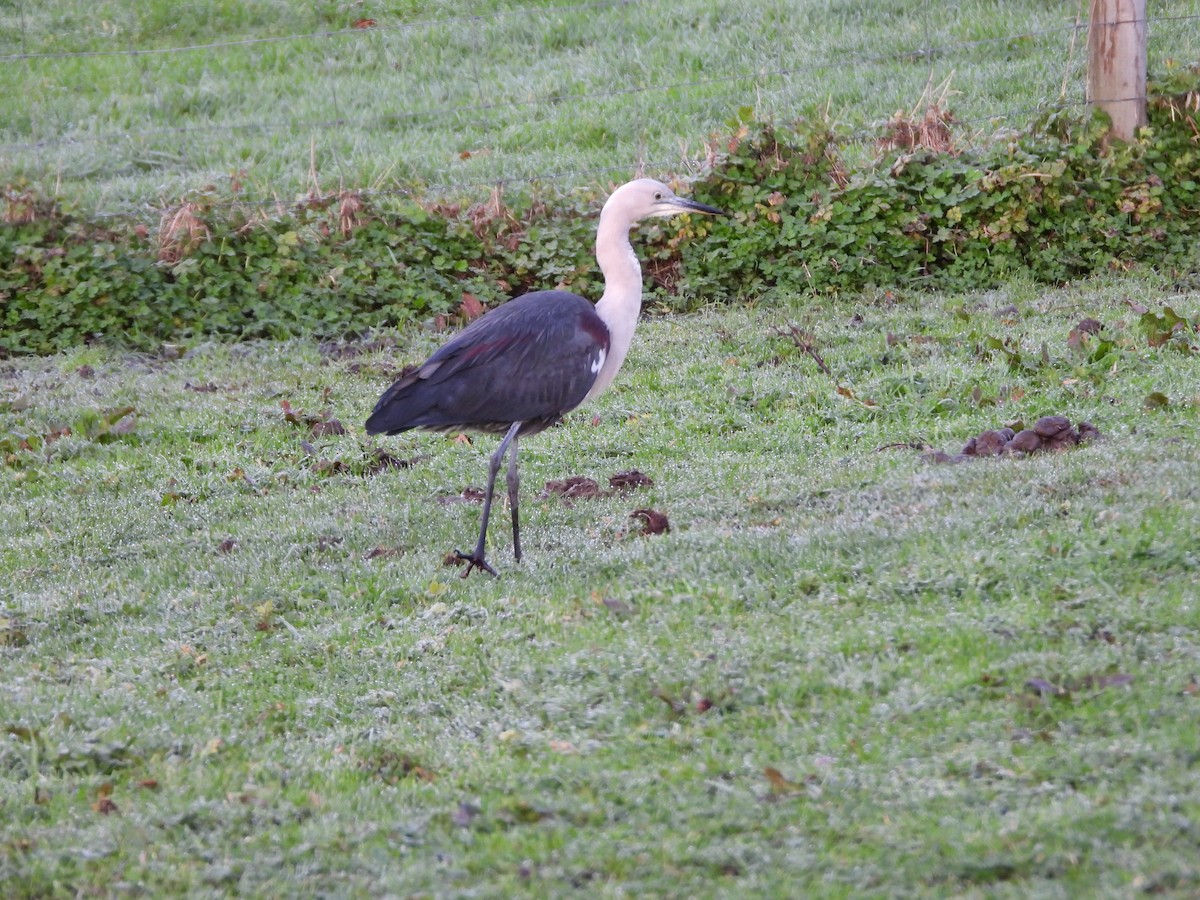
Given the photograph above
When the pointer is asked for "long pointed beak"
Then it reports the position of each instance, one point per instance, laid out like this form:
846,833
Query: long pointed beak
695,206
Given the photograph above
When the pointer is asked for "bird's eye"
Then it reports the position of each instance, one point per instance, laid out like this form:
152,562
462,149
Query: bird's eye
658,195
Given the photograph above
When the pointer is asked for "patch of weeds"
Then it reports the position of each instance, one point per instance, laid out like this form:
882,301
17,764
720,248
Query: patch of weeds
1169,330
105,426
90,756
1054,202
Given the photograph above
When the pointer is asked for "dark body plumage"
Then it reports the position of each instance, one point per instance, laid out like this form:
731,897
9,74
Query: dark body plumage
529,361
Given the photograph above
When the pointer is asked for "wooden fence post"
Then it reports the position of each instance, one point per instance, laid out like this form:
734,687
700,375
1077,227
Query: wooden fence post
1116,76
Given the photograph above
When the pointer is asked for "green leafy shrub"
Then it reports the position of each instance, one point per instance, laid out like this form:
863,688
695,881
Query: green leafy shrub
1054,203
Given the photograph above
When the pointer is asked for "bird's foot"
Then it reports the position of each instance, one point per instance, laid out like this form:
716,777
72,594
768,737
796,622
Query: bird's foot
474,562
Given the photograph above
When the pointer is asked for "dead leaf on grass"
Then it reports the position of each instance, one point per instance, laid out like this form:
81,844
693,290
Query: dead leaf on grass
850,395
780,784
470,307
377,552
653,521
326,427
631,480
321,424
1079,335
290,415
330,467
1156,400
468,495
104,803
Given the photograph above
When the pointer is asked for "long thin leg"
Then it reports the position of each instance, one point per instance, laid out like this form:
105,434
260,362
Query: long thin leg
514,484
477,560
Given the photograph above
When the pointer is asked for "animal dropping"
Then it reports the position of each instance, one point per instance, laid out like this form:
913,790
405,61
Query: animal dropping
1048,433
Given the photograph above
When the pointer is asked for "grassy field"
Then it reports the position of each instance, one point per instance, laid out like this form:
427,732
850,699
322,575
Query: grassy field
235,661
457,98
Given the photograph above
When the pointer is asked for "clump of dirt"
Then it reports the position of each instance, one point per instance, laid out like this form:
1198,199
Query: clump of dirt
579,487
629,481
1051,433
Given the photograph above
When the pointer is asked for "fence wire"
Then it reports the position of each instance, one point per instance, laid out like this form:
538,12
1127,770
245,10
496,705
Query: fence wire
47,148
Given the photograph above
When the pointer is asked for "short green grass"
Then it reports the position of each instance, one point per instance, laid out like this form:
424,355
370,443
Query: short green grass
232,663
449,99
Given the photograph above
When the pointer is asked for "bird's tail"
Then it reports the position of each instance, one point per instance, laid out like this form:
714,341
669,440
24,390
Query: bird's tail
403,406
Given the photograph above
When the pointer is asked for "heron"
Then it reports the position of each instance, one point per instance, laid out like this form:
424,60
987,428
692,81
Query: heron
519,368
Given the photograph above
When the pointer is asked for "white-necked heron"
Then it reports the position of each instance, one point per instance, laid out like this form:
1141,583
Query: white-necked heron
518,369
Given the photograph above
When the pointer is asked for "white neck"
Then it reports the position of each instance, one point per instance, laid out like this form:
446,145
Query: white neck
621,302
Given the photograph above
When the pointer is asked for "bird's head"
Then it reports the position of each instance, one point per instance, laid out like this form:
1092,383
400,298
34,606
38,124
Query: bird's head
647,199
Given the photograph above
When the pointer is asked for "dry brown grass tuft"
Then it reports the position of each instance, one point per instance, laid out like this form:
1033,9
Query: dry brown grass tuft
21,206
180,231
350,212
927,126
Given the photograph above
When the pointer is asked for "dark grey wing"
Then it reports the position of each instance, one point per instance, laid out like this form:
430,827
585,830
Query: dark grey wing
530,360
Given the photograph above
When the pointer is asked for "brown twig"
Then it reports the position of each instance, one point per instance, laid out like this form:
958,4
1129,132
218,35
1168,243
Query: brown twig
804,342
